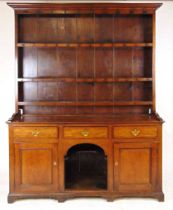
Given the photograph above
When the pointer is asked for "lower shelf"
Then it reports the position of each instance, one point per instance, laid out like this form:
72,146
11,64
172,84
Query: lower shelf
85,183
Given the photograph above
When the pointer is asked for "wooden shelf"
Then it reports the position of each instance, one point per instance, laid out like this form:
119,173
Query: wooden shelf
102,103
81,67
74,45
80,80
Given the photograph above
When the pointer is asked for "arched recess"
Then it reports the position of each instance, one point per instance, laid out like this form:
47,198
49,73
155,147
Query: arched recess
85,167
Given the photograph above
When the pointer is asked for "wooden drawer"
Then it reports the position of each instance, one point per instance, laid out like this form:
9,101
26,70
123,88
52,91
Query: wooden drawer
135,132
35,132
85,132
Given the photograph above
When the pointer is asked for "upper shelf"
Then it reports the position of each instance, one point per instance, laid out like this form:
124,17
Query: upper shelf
74,45
57,79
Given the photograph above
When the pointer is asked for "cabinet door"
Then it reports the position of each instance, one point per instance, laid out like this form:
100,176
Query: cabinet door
35,167
135,166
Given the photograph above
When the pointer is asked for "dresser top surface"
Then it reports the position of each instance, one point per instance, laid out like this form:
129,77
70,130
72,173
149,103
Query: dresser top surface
87,119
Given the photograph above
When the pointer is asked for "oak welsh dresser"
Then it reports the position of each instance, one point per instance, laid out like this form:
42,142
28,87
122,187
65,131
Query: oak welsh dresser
85,122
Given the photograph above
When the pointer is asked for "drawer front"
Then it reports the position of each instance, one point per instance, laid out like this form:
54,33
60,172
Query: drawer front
85,132
35,132
135,132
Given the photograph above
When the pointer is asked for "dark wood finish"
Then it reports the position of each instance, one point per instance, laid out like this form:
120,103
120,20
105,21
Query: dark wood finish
101,8
131,103
85,122
82,80
77,119
96,45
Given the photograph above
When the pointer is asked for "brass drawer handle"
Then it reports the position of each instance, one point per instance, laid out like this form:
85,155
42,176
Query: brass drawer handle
55,163
116,164
85,133
135,132
35,133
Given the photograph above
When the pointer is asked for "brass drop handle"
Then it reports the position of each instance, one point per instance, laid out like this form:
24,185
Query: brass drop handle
55,163
35,133
135,132
85,133
116,163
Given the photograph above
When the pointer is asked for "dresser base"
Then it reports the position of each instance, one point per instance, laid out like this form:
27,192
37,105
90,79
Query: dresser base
61,197
115,146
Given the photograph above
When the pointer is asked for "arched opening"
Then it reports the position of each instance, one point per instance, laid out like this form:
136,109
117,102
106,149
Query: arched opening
86,168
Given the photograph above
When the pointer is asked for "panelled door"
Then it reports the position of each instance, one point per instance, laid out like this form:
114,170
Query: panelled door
135,166
36,167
